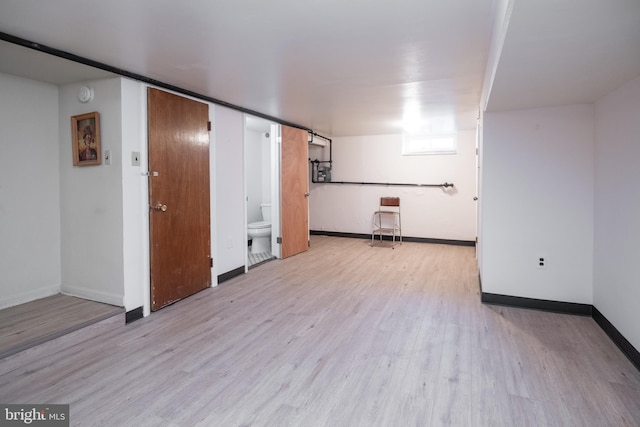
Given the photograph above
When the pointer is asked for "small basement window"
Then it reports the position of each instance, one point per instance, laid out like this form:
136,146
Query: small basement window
429,144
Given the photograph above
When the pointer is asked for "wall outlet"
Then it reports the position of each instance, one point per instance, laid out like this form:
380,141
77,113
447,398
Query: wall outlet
542,262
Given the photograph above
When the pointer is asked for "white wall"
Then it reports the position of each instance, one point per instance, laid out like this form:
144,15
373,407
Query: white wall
135,196
253,173
426,212
537,200
257,172
230,236
479,189
29,191
98,261
91,200
617,209
265,146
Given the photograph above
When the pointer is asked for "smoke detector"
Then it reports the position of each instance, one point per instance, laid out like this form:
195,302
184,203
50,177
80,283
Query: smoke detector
85,94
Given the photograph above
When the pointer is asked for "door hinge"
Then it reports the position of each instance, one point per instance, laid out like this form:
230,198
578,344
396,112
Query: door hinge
211,262
209,126
279,240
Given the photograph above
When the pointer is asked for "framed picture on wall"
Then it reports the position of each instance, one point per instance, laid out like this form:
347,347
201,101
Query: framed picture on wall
85,137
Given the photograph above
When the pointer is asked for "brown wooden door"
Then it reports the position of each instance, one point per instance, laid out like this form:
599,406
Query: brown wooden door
179,219
294,191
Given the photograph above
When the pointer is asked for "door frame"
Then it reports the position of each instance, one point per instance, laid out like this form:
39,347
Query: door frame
276,178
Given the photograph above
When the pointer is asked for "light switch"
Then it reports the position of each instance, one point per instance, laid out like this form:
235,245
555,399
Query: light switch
107,157
135,158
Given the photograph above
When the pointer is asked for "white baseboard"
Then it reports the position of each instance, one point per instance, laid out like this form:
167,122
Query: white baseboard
93,295
21,298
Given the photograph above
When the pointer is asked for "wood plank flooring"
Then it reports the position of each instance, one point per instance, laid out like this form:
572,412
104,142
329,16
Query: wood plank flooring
341,335
33,323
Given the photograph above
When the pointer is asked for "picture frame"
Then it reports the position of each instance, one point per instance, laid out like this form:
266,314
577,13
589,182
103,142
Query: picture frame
85,139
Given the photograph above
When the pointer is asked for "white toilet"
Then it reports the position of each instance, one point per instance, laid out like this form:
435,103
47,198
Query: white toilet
260,232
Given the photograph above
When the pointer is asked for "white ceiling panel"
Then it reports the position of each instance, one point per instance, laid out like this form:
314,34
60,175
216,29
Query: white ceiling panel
560,52
36,65
342,68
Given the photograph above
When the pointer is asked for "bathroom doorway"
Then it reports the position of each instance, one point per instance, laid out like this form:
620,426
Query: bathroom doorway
262,190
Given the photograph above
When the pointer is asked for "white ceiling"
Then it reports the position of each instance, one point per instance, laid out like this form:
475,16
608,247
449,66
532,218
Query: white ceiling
561,52
33,64
340,67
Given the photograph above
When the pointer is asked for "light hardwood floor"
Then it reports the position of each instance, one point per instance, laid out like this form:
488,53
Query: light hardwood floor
26,325
342,335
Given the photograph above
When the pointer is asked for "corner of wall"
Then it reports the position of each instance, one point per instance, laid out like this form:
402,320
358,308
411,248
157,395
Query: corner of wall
616,209
91,199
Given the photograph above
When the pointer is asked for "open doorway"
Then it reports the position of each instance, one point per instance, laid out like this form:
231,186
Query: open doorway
262,190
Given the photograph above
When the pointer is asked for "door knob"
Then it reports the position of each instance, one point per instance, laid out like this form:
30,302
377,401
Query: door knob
306,194
160,207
